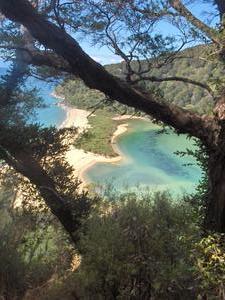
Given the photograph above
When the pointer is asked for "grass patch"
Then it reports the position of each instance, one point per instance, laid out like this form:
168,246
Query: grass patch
97,139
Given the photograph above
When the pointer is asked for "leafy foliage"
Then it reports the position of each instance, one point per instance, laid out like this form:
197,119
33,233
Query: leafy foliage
137,249
29,248
131,247
209,262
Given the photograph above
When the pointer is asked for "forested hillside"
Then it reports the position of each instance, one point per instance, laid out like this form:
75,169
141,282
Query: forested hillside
188,65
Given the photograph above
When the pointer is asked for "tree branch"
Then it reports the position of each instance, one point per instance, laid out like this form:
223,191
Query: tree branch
183,11
50,59
30,168
96,77
41,58
175,78
152,14
25,162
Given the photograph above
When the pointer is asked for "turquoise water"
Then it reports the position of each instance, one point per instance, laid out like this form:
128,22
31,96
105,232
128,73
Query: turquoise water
149,161
51,115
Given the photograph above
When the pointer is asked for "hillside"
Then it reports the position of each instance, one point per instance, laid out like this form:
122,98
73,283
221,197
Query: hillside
188,96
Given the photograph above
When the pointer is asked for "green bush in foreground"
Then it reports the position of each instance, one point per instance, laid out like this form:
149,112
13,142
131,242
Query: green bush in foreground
138,249
33,249
209,266
146,247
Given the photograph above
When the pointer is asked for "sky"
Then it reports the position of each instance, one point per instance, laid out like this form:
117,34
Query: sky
104,56
100,54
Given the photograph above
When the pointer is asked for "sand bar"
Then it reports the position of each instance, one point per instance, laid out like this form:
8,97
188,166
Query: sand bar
75,117
78,158
82,160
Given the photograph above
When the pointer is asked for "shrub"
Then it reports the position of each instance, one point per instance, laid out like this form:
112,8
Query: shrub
138,249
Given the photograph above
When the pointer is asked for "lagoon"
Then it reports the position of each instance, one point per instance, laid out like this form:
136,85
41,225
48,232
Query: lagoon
52,114
149,161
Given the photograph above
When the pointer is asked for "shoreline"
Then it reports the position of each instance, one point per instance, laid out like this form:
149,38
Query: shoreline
82,160
79,159
74,117
121,129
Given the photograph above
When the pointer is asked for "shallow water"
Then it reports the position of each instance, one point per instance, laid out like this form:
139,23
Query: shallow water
149,161
51,115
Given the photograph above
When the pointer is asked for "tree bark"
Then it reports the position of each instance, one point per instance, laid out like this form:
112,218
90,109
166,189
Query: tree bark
59,206
215,212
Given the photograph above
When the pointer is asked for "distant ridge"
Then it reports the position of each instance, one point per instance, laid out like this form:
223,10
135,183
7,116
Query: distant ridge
188,65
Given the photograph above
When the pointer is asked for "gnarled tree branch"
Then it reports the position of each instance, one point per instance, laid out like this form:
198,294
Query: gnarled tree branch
176,78
28,167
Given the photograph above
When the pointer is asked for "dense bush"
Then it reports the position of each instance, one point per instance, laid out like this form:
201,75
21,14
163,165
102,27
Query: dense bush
148,248
138,249
209,266
31,249
145,246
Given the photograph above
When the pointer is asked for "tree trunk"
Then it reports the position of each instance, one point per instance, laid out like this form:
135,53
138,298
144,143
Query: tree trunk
221,7
215,212
58,204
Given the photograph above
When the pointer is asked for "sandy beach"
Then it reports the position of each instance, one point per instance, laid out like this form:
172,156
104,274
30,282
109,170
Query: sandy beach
75,117
78,158
82,160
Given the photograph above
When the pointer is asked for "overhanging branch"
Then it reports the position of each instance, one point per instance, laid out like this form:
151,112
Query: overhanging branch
41,58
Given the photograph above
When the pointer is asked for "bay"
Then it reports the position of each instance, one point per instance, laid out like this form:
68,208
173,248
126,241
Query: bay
149,162
52,114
